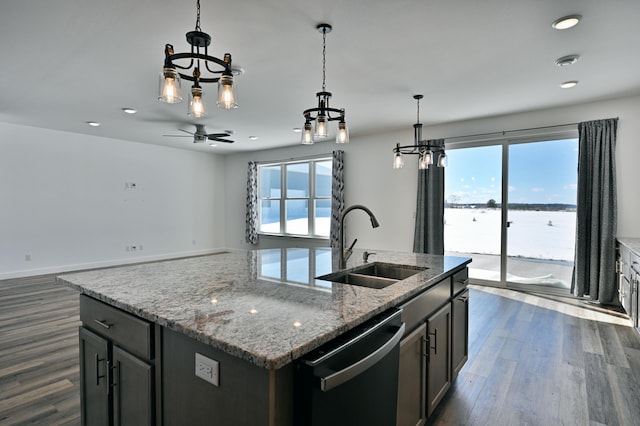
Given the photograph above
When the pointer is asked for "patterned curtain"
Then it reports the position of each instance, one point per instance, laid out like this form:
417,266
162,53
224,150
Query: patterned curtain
594,266
251,230
337,197
428,236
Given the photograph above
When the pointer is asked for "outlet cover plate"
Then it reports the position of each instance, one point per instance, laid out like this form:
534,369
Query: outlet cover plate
207,369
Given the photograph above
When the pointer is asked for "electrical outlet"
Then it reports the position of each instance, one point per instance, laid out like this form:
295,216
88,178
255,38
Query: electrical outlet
207,369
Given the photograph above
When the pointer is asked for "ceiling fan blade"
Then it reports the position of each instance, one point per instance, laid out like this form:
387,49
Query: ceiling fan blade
221,140
186,132
217,135
178,136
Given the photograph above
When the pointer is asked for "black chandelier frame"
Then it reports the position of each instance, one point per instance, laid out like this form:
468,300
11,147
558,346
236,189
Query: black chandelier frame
323,109
198,39
420,146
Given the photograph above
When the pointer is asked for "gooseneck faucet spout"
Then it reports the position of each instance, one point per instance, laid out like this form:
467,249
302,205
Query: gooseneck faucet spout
374,224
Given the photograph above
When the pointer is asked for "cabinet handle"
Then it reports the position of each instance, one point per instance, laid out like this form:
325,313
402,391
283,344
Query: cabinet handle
435,341
103,323
425,347
98,376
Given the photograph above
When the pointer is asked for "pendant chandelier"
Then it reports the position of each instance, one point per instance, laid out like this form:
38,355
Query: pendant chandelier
428,153
322,114
217,71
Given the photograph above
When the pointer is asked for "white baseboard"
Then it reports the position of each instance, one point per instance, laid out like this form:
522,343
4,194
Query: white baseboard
103,264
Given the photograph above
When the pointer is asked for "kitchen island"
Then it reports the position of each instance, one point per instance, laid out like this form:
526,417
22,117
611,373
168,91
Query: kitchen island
252,313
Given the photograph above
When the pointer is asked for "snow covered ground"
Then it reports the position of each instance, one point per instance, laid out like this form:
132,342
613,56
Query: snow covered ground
540,244
548,235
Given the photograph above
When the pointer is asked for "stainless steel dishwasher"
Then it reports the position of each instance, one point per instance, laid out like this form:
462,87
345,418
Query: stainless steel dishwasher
353,380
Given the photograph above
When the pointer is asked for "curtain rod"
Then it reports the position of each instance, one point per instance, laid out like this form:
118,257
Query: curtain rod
505,132
310,157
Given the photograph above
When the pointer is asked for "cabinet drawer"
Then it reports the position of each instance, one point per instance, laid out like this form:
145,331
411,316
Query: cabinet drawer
125,330
420,307
460,281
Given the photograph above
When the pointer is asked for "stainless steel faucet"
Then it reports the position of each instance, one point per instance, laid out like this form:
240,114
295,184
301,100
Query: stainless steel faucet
374,224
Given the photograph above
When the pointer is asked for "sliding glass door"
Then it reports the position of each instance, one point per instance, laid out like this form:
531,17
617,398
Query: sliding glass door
510,205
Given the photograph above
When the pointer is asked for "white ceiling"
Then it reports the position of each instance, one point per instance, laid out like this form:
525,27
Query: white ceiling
66,62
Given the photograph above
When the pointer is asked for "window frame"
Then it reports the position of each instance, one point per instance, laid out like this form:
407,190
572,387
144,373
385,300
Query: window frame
311,198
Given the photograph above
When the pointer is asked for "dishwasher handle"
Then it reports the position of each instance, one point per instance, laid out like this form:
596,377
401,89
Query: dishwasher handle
332,380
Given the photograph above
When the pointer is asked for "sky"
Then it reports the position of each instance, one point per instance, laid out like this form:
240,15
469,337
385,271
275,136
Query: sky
539,172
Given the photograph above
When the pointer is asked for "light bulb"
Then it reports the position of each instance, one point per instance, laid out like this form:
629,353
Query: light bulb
343,133
398,161
307,134
196,104
321,126
442,160
226,95
425,160
169,86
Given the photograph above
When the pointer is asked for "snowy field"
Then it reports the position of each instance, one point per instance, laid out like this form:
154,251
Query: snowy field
547,235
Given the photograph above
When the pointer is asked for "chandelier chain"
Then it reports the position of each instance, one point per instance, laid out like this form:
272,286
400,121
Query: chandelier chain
324,57
198,15
418,112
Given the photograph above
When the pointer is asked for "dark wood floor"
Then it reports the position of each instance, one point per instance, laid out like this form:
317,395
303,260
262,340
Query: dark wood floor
38,353
532,361
536,361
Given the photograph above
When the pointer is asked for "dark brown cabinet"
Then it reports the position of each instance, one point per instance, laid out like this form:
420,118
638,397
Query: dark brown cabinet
116,386
435,348
459,332
439,357
412,379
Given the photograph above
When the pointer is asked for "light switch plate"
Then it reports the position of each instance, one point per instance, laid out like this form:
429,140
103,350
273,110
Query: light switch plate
207,369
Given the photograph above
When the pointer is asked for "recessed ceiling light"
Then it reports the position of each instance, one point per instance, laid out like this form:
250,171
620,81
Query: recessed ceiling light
93,123
566,22
253,138
569,84
567,60
129,110
297,129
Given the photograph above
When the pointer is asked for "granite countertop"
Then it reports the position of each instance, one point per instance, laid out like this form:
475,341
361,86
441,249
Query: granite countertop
632,243
263,306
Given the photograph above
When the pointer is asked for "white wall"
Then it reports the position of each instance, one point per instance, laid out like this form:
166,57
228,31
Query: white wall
391,194
65,203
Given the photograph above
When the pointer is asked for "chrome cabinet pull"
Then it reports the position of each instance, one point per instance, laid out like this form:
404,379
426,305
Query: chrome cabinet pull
103,323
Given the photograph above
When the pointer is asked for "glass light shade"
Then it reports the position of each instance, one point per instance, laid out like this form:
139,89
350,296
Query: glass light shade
307,134
321,126
442,160
197,107
169,87
398,161
226,94
343,133
426,159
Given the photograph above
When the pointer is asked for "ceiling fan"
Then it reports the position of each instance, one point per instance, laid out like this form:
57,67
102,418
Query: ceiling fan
201,135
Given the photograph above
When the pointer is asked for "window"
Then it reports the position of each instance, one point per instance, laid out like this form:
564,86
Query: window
294,198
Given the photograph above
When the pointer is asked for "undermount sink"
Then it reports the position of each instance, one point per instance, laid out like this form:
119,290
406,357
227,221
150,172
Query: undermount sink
375,275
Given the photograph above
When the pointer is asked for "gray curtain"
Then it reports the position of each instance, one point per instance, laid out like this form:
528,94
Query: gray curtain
594,268
251,219
337,197
429,231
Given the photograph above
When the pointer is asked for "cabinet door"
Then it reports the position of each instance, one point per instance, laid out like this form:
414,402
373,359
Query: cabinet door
412,376
94,380
459,332
132,390
439,367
